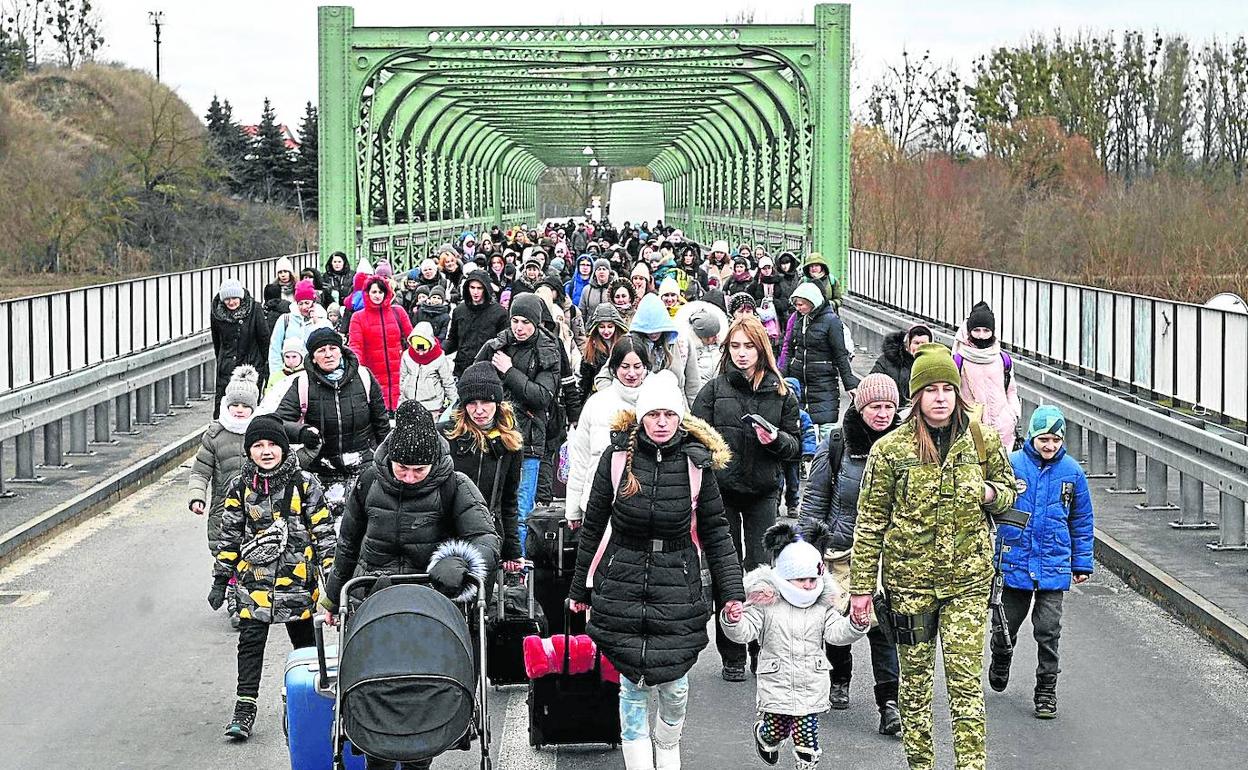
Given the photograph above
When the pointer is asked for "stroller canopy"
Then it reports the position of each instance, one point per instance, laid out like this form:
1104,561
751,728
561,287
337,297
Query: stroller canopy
406,674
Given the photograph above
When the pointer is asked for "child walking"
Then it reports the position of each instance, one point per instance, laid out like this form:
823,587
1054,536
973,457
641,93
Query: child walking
1038,562
791,611
275,534
425,372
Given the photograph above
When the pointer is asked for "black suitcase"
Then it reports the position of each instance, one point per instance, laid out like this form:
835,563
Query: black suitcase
551,547
574,708
513,616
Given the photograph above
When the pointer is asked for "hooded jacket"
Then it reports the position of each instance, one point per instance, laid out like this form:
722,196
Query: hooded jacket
577,284
378,334
652,317
437,316
1057,540
393,528
239,337
427,378
895,361
816,355
337,284
219,459
650,609
754,469
472,325
531,384
792,665
828,284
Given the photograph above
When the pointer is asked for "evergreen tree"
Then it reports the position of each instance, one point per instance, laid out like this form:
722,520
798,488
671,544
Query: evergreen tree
305,164
229,145
269,162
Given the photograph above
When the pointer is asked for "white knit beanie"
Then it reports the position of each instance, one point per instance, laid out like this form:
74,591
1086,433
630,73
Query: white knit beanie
799,559
660,391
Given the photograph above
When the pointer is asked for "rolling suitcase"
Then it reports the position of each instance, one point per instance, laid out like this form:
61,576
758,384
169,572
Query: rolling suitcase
308,712
552,547
514,616
574,708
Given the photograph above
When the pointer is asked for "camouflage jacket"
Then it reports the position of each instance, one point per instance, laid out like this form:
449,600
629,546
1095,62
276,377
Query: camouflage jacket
926,520
286,589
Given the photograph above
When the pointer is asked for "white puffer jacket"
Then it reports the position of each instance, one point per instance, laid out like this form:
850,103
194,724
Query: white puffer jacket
792,667
590,439
432,384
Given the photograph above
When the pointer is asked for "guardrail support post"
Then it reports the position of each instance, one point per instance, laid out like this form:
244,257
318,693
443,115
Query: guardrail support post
53,457
1192,504
102,436
1230,524
178,398
162,390
1157,485
143,406
124,426
78,435
1074,440
1098,456
208,378
195,383
1126,464
4,490
25,445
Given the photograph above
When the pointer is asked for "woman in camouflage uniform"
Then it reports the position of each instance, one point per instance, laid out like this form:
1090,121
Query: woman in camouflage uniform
922,509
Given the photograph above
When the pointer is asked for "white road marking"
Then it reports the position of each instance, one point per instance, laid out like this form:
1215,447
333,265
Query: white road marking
514,752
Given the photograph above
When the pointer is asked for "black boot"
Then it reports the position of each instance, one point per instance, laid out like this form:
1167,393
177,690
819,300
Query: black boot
838,695
1046,696
239,728
886,702
999,672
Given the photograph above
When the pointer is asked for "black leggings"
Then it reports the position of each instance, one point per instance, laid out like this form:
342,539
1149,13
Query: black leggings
253,635
748,519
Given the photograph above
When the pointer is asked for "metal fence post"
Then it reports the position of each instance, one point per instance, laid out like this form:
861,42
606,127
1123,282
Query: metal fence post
1098,456
1230,524
143,406
179,398
102,435
1157,485
4,490
1191,504
125,426
208,378
25,460
1074,440
162,390
53,457
195,383
78,435
1126,465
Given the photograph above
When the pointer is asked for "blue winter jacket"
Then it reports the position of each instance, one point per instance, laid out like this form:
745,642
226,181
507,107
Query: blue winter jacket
1058,538
810,439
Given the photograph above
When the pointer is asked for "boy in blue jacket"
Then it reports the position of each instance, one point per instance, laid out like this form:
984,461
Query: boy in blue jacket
793,471
1038,562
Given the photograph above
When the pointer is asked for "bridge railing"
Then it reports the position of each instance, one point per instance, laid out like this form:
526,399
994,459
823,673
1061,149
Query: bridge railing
1170,351
51,335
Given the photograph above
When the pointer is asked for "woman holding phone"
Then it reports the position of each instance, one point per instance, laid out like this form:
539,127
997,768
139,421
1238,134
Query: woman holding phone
757,414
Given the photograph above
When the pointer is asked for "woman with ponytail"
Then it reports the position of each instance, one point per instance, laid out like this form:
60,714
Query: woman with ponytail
654,511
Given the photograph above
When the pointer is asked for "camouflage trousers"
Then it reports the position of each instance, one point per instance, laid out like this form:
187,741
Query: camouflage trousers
963,624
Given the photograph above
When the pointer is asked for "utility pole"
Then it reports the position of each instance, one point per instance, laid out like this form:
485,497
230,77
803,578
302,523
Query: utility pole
156,19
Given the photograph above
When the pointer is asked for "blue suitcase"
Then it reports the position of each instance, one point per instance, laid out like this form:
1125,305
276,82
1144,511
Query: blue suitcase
308,713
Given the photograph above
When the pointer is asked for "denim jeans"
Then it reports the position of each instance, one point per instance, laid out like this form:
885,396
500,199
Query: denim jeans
529,468
635,706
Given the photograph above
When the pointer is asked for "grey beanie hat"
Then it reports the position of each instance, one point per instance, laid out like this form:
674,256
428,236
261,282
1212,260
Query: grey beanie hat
243,387
231,288
601,262
704,324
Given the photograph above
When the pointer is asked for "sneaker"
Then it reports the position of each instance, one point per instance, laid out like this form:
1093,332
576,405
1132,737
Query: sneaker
999,673
239,728
1046,696
838,696
733,672
766,752
890,718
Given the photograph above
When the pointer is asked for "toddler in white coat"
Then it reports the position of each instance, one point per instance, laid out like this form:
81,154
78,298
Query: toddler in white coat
791,611
426,373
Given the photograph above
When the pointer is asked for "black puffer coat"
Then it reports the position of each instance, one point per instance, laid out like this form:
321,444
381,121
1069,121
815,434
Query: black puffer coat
817,355
650,609
336,285
240,337
754,469
895,361
348,419
531,384
393,528
831,492
496,474
473,325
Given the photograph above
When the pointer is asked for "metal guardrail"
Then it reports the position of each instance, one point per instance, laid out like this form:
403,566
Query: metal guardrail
1200,456
1164,349
50,335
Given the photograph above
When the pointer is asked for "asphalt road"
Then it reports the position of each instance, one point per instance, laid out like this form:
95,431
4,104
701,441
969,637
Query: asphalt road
110,658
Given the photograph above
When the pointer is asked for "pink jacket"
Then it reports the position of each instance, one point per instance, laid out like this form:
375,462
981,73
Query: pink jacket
983,383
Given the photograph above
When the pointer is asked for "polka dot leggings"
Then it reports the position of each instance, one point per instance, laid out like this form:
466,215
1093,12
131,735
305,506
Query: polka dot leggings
803,730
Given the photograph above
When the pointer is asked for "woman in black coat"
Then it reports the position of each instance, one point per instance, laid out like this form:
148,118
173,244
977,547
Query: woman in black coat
748,384
644,581
239,336
336,280
817,356
897,356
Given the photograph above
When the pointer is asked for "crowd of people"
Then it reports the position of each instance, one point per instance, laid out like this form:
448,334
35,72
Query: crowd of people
689,397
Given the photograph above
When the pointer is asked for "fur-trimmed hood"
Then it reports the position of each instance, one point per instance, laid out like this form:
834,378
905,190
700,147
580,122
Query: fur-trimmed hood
894,349
762,587
696,429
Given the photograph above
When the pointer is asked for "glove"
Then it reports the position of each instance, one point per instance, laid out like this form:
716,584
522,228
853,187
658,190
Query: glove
448,575
216,597
310,438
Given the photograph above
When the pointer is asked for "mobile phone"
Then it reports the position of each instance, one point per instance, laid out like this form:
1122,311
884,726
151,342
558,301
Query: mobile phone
754,419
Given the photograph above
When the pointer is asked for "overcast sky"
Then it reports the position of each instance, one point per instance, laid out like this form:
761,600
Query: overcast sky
245,51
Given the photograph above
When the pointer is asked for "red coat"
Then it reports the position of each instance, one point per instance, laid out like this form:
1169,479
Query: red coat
376,336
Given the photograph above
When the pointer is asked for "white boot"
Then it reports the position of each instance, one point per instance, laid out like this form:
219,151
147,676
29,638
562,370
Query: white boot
638,754
667,745
805,760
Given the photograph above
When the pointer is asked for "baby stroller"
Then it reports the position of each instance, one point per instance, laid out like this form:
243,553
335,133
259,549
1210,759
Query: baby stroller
411,673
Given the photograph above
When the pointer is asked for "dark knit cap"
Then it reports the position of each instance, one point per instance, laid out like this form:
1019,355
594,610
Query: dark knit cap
527,306
739,300
414,440
981,315
320,337
439,292
266,427
480,382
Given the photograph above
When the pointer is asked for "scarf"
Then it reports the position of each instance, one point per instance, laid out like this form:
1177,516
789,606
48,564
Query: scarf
799,597
232,423
977,355
427,357
270,480
336,374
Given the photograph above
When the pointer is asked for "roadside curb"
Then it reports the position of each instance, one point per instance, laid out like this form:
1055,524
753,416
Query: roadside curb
25,537
1163,589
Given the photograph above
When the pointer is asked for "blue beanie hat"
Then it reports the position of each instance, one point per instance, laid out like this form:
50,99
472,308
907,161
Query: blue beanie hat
1046,419
413,274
